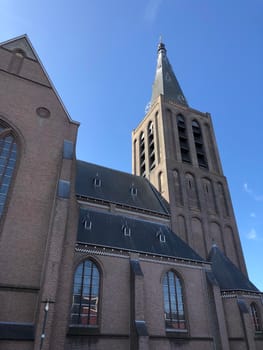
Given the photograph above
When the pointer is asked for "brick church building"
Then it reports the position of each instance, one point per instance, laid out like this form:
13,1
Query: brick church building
94,258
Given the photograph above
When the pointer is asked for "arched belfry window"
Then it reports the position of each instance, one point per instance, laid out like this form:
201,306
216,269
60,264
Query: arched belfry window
85,299
199,145
142,154
151,147
183,140
255,317
8,156
174,313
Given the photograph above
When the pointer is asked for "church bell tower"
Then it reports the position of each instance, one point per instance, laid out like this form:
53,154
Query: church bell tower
175,148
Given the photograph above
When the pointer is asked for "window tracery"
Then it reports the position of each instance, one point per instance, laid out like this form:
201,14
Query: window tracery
255,317
8,157
173,302
85,299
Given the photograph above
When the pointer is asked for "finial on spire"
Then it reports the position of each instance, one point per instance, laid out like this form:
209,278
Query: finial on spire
161,45
165,82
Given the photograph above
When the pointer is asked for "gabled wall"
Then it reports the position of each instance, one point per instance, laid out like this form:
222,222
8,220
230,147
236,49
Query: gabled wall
35,217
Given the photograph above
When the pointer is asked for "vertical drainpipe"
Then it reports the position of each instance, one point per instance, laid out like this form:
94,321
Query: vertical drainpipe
139,337
46,308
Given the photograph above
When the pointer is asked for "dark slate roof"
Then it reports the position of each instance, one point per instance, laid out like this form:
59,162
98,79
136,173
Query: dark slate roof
107,230
228,276
165,80
97,182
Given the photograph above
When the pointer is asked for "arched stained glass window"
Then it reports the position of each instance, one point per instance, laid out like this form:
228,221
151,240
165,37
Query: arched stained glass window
8,156
255,317
85,301
173,302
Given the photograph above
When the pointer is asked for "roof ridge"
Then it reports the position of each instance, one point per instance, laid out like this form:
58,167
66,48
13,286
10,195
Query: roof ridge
113,169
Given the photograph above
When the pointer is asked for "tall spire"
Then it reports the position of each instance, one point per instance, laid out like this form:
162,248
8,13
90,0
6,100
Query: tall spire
165,81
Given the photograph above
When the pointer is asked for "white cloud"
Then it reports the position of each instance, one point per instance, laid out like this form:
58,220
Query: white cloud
254,195
252,215
245,186
252,234
151,10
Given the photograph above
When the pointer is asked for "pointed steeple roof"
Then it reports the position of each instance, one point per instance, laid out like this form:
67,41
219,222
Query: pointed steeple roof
165,80
228,276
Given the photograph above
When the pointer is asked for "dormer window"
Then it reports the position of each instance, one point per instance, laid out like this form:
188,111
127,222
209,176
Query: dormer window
134,191
126,230
161,236
87,222
97,181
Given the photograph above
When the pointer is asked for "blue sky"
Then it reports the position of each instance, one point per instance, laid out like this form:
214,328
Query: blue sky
101,57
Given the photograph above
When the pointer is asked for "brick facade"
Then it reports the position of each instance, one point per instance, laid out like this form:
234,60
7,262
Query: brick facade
40,246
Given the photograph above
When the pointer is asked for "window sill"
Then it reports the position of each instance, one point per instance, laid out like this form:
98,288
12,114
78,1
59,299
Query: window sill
259,335
83,330
177,333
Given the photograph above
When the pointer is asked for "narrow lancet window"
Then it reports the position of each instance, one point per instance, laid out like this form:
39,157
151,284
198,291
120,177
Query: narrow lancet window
199,145
142,155
151,147
255,317
85,300
183,140
160,182
8,156
173,302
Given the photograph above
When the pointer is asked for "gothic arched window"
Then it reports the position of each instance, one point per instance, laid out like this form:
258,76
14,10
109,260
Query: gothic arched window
142,154
174,313
151,147
8,156
255,317
199,145
85,300
182,132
